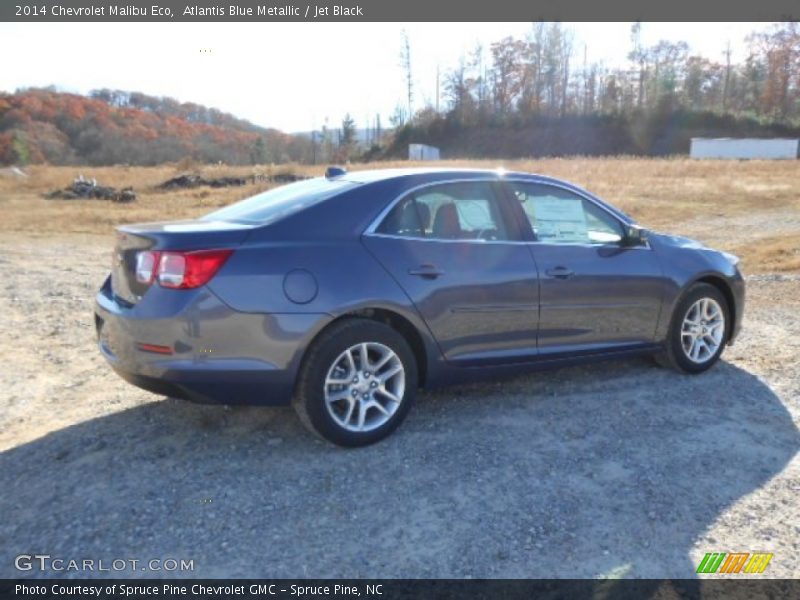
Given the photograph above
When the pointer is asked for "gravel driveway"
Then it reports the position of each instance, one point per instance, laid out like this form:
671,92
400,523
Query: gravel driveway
617,469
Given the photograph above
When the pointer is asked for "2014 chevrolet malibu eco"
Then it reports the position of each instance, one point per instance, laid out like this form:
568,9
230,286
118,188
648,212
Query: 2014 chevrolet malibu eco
344,294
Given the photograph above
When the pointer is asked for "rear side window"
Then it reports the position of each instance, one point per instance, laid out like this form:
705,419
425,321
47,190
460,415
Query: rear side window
450,211
403,220
280,202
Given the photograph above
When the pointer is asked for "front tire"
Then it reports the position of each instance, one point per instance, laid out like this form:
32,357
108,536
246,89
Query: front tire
357,383
698,332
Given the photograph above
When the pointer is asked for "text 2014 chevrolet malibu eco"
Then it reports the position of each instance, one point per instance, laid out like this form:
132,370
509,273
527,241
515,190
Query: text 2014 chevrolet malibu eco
344,294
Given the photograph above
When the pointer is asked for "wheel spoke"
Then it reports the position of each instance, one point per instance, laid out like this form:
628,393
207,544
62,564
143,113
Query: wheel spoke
349,414
695,314
362,415
363,354
695,352
391,396
338,396
383,360
710,310
337,381
384,377
351,363
688,322
379,406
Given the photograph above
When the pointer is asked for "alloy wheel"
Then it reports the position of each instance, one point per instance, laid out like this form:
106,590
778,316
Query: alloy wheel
702,330
364,386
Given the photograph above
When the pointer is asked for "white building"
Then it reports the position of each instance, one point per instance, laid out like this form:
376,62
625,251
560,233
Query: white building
744,148
422,152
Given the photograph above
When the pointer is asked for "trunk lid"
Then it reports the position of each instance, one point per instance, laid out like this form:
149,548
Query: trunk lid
172,235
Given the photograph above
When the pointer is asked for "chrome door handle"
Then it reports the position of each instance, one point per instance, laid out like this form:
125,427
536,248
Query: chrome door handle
426,271
560,272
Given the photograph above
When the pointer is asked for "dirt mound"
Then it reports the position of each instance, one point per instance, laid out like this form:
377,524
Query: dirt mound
193,181
286,177
84,189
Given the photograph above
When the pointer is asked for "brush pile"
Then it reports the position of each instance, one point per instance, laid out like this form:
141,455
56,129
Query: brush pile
89,189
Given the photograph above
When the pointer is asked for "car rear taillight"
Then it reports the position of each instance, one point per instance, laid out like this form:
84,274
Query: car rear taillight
179,270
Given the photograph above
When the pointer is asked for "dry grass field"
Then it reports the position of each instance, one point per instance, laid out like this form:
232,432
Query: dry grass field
750,208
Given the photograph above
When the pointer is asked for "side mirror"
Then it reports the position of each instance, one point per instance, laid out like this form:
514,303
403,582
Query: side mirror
634,236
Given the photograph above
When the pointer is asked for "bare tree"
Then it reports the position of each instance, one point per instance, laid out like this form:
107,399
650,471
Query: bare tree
405,62
638,55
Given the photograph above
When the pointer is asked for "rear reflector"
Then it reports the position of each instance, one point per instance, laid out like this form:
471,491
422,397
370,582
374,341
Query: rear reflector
146,263
154,348
179,270
172,270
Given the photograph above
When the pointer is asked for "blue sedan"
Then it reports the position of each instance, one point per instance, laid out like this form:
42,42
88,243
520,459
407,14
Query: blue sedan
344,294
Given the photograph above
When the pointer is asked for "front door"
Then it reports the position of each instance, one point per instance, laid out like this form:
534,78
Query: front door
595,292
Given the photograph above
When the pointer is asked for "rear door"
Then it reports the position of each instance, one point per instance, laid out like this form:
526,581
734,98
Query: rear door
455,249
595,293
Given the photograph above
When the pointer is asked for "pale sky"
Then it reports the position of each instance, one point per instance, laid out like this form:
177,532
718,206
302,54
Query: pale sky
292,76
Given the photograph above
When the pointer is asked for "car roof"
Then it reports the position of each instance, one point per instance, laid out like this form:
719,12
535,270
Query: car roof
434,174
374,175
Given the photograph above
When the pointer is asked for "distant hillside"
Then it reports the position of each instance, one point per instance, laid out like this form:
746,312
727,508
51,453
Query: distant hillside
585,135
115,127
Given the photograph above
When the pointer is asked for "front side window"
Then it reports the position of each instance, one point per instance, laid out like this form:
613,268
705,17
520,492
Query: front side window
450,211
559,216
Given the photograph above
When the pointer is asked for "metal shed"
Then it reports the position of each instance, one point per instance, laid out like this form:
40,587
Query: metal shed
775,148
422,152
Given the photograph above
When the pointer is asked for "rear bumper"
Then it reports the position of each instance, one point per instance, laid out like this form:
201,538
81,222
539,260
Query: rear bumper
225,387
212,353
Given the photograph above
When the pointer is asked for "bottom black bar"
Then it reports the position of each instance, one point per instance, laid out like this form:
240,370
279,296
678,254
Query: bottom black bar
392,589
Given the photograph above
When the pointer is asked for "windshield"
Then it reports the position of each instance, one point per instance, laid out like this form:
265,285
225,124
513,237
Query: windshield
280,202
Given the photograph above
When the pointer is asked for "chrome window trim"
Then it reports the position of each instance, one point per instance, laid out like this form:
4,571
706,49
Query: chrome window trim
541,243
390,236
371,229
382,215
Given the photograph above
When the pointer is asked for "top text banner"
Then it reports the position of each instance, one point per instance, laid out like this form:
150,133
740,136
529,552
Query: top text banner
398,10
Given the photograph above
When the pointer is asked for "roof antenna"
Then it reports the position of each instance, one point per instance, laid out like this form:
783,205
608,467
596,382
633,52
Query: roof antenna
332,172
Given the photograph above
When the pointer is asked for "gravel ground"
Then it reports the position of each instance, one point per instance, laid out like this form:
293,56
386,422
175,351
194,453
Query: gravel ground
618,469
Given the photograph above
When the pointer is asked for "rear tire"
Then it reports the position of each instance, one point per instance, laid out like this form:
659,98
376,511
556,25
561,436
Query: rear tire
357,383
698,331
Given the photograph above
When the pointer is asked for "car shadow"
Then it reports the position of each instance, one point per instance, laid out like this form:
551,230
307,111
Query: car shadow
609,470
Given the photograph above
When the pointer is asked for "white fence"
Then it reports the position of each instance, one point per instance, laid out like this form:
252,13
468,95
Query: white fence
422,152
744,148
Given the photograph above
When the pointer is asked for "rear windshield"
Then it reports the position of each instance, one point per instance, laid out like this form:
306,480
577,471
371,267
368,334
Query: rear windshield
280,202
